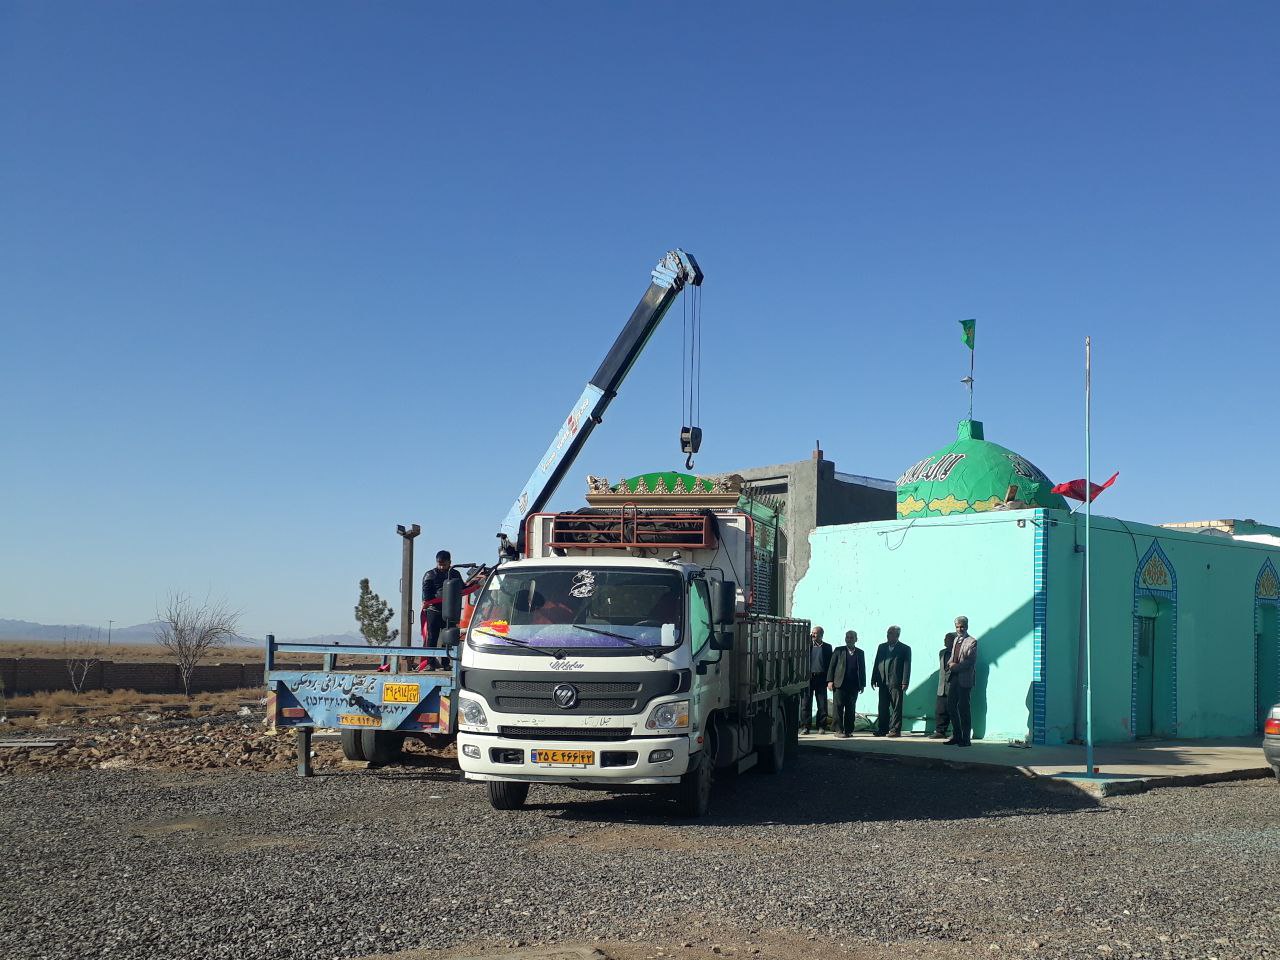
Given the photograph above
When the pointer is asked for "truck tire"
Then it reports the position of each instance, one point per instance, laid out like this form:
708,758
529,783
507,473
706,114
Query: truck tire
382,746
506,795
773,756
694,792
353,744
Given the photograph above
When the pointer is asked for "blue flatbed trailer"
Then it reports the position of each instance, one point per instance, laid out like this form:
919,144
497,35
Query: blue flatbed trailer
375,711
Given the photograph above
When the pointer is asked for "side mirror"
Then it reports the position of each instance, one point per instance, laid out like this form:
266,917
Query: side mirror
451,601
449,638
724,601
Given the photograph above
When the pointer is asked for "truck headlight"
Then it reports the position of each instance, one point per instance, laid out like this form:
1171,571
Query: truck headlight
472,712
669,716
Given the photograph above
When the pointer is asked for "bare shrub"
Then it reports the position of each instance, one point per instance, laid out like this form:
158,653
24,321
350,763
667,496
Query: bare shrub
79,666
191,631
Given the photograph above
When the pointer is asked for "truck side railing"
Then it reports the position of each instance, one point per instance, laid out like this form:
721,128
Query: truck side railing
769,657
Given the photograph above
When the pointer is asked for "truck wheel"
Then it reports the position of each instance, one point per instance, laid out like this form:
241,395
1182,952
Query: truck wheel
381,746
353,744
791,718
694,795
505,795
773,756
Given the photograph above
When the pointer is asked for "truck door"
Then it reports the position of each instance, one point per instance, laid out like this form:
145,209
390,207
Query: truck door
711,676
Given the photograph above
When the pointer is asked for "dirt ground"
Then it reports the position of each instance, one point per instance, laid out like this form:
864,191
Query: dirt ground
125,730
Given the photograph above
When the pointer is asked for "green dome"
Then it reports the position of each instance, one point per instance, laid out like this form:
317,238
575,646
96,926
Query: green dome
972,475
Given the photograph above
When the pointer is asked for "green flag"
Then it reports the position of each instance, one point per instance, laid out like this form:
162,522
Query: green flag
967,329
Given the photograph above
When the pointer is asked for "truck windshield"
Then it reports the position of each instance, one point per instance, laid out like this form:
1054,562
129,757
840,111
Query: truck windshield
580,608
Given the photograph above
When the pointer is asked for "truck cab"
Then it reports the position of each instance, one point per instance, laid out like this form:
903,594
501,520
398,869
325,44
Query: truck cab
619,656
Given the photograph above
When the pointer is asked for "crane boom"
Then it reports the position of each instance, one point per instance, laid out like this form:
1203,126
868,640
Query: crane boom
673,273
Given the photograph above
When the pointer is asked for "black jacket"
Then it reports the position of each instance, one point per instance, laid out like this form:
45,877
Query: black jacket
892,667
848,673
826,657
434,579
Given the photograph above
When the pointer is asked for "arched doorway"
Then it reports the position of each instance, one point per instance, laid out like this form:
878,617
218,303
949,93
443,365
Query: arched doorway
1266,635
1153,706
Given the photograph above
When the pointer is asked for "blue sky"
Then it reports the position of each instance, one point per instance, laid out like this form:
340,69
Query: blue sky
276,277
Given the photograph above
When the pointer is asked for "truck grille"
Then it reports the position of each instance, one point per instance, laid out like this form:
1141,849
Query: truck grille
595,694
565,733
544,687
536,704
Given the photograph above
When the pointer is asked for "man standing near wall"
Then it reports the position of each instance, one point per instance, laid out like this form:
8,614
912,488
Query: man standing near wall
846,678
964,673
942,705
819,663
892,675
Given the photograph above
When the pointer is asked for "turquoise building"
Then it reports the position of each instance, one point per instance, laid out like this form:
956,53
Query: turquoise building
1185,626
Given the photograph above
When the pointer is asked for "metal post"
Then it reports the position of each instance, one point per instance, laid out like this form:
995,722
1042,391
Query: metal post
304,751
110,624
406,585
1088,558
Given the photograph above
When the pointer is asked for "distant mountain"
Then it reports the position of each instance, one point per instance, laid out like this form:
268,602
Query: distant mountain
56,633
145,633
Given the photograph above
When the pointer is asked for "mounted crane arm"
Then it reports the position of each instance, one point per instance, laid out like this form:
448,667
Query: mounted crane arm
673,273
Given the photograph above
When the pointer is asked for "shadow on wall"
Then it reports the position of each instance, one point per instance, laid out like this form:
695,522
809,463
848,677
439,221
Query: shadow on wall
994,643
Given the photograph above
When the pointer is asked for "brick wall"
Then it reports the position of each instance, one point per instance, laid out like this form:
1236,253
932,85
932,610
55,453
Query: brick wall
24,675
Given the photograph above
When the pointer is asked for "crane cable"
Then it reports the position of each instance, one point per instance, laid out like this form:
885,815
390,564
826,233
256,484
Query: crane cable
691,367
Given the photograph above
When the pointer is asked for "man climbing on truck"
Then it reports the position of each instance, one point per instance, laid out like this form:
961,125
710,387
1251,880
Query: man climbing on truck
432,581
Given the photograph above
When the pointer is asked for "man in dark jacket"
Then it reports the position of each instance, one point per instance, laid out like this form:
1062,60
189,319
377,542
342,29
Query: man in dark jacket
846,678
942,706
891,674
819,663
432,621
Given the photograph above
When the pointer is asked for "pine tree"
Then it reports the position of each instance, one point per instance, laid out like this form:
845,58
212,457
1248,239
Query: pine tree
373,614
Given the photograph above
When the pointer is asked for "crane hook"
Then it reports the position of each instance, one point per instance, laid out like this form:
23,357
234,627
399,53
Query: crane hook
690,441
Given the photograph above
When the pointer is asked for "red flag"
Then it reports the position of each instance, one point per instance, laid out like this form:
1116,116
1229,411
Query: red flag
1075,488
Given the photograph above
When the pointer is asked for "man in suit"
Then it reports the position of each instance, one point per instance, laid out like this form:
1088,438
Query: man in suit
846,678
964,673
891,674
819,662
942,705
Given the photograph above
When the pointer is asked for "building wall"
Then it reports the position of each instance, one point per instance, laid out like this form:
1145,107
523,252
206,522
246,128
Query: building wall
1210,604
813,494
920,575
25,675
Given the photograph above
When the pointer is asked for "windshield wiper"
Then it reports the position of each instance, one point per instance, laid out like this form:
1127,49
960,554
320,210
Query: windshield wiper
553,654
617,636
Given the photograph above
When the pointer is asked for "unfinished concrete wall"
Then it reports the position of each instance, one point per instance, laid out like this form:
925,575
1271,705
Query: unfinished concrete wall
813,495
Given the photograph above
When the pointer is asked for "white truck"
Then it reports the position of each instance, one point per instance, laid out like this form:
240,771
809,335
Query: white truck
617,654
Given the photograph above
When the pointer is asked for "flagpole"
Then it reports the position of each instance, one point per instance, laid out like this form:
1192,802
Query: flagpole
971,353
1088,556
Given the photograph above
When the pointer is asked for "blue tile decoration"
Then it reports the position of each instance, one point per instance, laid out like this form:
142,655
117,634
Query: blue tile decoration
1155,577
1039,675
1266,590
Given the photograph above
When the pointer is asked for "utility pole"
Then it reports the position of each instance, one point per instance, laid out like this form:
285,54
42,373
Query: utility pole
406,581
110,624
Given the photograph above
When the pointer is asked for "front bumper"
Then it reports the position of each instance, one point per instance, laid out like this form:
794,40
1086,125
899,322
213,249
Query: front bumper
1271,751
637,770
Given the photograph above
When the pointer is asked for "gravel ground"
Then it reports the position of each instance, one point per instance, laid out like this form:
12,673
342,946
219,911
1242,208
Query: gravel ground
839,857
